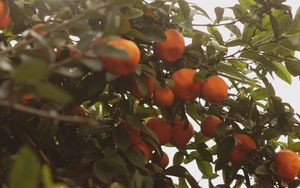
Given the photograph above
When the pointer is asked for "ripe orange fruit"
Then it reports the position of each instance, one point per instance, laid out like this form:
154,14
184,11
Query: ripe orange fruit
26,98
181,134
3,9
172,48
122,67
78,111
214,89
161,128
141,146
164,161
133,133
287,165
163,96
185,88
39,28
4,21
243,145
209,124
150,83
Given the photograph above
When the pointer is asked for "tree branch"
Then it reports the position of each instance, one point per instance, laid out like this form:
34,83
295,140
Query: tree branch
215,25
54,115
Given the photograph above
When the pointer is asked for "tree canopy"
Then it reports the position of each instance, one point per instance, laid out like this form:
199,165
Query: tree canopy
90,91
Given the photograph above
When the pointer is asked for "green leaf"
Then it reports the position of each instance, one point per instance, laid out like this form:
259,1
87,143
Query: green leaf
201,10
259,58
248,32
234,29
214,31
109,51
275,26
178,158
32,70
262,170
247,3
260,93
200,38
206,168
137,34
51,92
180,171
132,13
295,28
292,42
155,34
185,9
293,66
294,147
230,70
25,171
283,73
93,64
223,151
219,14
121,138
137,158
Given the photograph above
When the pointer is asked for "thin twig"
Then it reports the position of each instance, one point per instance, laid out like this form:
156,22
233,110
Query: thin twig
54,115
215,25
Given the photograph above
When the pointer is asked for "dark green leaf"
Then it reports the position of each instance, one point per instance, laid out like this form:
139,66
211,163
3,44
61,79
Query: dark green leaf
214,31
185,9
259,58
206,168
283,73
293,66
109,51
219,14
180,171
275,27
234,29
32,70
131,12
25,171
155,34
260,93
121,138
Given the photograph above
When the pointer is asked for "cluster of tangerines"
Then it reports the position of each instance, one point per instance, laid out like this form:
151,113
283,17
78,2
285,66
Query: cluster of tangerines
212,89
4,15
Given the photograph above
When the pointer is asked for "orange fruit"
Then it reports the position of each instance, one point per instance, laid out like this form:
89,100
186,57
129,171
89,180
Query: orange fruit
150,83
184,86
181,134
287,165
214,89
40,29
2,8
163,96
118,66
144,148
78,111
243,145
164,161
161,129
26,98
209,124
133,133
4,22
172,48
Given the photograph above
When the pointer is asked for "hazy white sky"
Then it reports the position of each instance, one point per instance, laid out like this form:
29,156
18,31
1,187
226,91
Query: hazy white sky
289,93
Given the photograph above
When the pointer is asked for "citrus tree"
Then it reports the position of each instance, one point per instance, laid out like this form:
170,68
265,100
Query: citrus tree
91,91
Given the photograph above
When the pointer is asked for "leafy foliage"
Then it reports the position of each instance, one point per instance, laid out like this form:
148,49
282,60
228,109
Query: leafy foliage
59,68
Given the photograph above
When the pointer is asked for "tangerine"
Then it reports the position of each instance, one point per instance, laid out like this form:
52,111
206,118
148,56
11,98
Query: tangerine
78,111
209,125
40,29
164,161
163,96
172,48
161,129
185,88
243,145
4,21
120,66
144,148
214,89
287,165
181,133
